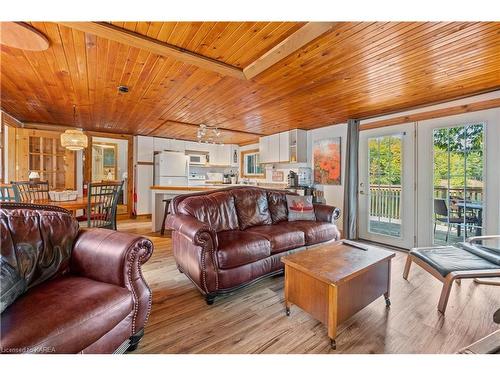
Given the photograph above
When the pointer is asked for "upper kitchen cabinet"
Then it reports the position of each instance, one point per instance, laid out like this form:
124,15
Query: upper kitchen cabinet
286,147
144,148
264,149
220,155
298,146
177,145
161,144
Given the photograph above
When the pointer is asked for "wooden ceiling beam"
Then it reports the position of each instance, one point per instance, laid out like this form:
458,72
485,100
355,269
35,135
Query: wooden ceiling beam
297,40
197,125
123,36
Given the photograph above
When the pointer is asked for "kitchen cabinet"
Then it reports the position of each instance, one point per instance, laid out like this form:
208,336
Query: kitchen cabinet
145,148
285,147
298,146
263,149
161,144
269,149
274,148
196,146
177,145
220,155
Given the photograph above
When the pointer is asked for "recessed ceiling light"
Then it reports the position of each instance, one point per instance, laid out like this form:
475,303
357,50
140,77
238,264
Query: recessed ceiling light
123,89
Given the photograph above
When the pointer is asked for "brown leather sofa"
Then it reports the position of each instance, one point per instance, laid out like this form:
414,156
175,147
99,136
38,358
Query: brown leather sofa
85,290
228,238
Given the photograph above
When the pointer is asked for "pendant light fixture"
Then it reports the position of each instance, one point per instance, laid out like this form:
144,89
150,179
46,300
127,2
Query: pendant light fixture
74,139
208,134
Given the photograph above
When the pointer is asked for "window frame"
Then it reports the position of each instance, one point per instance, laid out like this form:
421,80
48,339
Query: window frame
244,164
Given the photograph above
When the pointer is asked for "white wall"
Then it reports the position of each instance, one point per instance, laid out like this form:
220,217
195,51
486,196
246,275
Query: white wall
334,194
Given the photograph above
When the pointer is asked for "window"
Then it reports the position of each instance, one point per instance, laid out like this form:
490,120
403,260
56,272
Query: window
250,164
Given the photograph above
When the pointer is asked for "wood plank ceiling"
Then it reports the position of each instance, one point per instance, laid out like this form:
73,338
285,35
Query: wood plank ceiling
355,70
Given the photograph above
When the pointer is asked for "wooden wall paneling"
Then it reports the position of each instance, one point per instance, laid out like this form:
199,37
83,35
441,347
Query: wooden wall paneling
22,152
12,153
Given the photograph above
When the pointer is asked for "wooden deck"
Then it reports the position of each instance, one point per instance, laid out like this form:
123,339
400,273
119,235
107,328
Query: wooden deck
253,320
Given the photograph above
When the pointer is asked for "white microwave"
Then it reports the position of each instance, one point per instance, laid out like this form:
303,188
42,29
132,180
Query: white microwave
197,159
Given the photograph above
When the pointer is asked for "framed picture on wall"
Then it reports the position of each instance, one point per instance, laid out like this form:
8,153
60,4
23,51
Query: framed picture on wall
327,161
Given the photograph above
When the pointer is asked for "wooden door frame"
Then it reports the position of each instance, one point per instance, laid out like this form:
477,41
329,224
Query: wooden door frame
87,165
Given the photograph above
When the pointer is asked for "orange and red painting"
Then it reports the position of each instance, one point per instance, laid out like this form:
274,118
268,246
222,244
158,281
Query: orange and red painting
326,159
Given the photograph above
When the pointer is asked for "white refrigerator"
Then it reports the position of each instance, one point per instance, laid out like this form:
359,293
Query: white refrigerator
170,168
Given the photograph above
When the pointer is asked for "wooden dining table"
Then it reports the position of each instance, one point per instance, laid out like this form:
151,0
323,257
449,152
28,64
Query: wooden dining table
79,203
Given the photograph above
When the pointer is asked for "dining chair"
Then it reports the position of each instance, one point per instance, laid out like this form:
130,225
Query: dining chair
442,215
9,193
101,206
31,191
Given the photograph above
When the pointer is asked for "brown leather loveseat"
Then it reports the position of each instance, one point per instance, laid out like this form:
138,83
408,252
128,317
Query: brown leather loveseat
228,238
82,291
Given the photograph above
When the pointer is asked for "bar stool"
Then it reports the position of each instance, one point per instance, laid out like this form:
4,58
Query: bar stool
167,204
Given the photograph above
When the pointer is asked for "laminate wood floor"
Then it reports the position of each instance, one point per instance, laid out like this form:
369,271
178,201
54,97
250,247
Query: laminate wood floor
253,320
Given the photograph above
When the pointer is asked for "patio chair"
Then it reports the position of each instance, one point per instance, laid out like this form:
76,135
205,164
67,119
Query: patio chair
442,215
32,191
467,260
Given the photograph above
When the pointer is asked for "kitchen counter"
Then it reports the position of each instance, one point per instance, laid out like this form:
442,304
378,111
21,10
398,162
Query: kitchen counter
159,193
187,188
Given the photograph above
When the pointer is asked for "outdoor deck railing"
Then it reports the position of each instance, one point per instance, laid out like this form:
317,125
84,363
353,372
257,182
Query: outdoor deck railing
385,200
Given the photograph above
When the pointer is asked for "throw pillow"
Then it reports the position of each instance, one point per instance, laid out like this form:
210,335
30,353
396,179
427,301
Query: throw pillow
300,208
13,285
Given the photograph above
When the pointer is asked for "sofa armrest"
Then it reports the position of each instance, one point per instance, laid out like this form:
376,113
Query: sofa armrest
194,247
115,258
192,228
326,213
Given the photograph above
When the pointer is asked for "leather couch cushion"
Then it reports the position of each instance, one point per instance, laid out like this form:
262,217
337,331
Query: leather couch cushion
239,247
282,236
64,315
450,258
37,242
216,209
277,206
315,231
251,205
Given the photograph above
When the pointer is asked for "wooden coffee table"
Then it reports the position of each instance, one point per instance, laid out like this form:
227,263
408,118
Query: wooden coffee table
334,281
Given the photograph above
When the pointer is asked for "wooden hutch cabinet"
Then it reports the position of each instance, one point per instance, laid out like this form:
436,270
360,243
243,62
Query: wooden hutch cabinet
41,151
